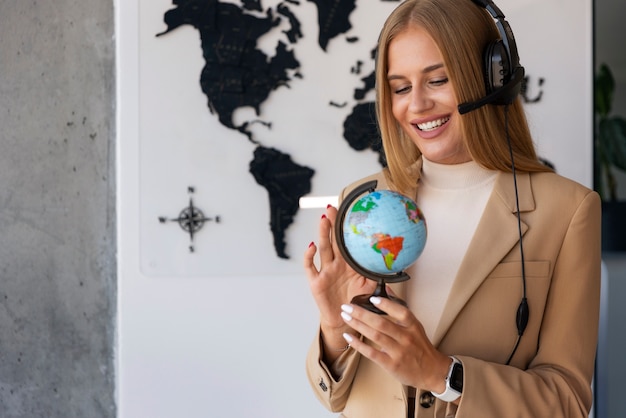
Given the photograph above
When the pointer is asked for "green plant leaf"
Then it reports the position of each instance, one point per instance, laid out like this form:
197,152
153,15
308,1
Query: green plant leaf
604,88
613,140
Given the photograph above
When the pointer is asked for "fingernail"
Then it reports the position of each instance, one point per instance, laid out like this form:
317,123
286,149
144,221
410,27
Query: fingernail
347,337
346,317
329,206
324,216
347,308
375,300
311,244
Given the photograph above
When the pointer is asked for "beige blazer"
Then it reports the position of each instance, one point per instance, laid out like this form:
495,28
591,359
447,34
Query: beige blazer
550,374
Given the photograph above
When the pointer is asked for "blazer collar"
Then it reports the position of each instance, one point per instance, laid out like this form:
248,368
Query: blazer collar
496,234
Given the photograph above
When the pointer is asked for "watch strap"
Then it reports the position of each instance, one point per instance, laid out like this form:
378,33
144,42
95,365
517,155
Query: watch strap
450,394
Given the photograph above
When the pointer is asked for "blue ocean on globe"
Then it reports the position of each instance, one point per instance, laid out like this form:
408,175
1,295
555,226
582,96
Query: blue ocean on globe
384,232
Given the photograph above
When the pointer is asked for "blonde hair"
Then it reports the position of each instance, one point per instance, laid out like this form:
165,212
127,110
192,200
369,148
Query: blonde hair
461,30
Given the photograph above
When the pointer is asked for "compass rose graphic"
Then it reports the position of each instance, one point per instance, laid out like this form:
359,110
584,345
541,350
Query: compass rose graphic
191,219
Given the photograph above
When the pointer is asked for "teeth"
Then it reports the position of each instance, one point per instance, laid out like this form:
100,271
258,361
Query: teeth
433,124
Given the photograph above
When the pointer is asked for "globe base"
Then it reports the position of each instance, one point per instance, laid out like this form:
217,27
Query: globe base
380,291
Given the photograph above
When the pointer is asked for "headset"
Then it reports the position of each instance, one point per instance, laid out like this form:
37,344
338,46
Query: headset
503,76
503,73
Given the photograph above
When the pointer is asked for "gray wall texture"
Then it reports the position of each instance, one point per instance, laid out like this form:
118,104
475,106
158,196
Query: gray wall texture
57,209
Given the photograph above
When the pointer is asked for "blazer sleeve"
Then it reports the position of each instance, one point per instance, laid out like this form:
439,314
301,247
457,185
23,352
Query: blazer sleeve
331,384
557,381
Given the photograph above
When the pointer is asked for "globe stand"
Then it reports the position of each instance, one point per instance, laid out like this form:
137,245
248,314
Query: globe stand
380,291
381,279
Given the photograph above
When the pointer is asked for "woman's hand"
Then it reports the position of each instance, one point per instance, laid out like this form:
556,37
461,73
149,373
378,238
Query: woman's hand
397,343
333,284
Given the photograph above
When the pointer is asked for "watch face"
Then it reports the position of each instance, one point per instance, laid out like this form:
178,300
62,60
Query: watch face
456,377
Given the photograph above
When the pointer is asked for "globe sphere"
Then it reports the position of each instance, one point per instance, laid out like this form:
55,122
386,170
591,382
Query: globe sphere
384,232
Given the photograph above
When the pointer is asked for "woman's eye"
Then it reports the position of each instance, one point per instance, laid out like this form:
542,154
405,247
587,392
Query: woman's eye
400,90
439,81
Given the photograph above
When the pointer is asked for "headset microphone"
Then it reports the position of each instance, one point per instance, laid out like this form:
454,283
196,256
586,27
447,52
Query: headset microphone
509,89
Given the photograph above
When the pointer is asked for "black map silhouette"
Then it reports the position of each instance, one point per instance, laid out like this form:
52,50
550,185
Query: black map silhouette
239,74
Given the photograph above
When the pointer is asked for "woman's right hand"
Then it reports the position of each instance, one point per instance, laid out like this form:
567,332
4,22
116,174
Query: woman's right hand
333,283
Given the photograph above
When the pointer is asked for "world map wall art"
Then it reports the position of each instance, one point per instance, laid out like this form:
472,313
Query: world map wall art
245,108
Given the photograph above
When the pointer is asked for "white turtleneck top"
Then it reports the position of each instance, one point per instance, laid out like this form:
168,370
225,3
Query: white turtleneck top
452,199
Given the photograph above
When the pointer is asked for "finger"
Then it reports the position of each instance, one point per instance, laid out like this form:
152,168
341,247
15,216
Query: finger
308,260
326,249
374,327
395,311
331,214
387,330
373,353
370,349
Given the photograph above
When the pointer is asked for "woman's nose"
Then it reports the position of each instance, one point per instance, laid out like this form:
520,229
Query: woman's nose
420,101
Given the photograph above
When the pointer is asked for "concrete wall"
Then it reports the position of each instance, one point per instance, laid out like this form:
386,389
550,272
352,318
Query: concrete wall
57,209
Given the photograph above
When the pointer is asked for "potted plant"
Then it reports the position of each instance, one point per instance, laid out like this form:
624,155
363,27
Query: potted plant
610,154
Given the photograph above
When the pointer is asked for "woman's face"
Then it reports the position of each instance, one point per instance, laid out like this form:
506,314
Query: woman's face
422,98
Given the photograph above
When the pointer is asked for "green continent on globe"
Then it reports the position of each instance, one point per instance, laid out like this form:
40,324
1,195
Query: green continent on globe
360,212
389,247
364,205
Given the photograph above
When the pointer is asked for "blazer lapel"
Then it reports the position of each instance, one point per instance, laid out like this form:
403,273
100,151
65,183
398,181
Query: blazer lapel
496,234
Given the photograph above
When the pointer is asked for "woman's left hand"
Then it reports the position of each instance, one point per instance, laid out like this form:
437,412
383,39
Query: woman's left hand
398,344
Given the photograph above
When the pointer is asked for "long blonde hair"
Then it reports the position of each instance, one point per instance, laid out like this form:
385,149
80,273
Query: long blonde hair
461,31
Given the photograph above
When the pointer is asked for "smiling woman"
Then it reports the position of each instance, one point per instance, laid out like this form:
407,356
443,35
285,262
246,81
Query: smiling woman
456,139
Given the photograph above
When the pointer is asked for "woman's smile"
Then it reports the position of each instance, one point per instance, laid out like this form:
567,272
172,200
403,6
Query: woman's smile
432,125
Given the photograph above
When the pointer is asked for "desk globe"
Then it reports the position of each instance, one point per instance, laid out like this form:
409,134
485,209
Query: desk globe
379,233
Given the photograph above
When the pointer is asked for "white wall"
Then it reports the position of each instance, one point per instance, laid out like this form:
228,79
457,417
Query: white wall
207,342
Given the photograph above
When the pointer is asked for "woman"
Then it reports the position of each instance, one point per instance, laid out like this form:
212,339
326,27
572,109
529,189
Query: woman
509,242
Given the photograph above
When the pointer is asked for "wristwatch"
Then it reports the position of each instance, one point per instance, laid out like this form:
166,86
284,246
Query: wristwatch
454,382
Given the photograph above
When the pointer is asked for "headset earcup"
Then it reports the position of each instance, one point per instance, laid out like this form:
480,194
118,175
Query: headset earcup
497,68
503,75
